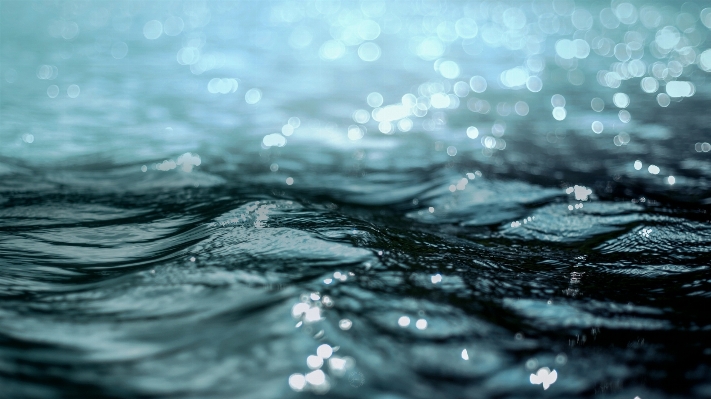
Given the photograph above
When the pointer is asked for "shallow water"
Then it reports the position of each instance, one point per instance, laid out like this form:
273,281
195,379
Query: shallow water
355,199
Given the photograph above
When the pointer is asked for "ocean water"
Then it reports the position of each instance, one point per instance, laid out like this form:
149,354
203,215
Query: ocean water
355,199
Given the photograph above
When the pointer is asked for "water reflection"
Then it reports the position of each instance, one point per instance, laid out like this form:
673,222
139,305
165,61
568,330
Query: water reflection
354,198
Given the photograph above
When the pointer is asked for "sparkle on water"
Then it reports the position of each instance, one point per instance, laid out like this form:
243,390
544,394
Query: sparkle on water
357,198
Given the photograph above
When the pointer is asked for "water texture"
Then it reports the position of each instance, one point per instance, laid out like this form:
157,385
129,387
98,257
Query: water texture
355,199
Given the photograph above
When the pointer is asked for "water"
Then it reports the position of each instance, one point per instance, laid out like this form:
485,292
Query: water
355,199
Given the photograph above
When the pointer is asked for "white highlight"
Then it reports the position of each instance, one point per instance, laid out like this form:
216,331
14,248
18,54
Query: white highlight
544,376
581,192
324,351
297,382
274,140
152,29
680,89
314,362
391,113
316,377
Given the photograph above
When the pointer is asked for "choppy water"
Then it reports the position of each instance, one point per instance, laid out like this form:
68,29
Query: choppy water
420,199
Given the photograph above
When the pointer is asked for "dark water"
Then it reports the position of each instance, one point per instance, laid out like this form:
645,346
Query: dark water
204,199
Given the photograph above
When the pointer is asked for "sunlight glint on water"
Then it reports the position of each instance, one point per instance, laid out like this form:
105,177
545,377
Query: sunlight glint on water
355,198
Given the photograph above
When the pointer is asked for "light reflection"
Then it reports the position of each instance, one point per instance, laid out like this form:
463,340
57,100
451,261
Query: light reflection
663,99
345,324
704,59
358,30
514,78
559,113
478,84
385,127
317,379
312,315
53,91
274,140
73,91
369,52
297,382
405,124
531,363
448,69
355,132
572,49
624,116
649,84
430,49
534,84
294,121
621,100
621,139
374,99
667,37
324,351
299,309
222,85
332,50
173,26
166,165
188,161
521,108
252,96
368,29
153,29
597,104
558,100
314,362
466,28
582,193
597,127
680,89
361,116
544,376
561,358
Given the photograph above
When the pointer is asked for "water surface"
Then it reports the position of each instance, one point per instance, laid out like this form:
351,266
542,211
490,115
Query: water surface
355,199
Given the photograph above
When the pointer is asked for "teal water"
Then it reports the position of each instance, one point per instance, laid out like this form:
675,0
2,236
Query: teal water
355,199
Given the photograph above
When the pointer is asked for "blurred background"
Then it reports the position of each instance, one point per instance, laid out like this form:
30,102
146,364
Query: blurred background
383,199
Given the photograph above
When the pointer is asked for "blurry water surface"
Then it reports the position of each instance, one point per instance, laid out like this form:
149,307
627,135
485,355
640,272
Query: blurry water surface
356,199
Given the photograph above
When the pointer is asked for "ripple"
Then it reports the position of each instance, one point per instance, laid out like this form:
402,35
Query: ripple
669,237
481,202
561,315
557,223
